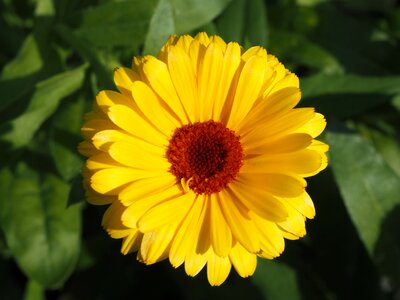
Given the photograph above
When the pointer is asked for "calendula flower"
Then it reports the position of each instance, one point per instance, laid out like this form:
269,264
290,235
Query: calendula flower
201,156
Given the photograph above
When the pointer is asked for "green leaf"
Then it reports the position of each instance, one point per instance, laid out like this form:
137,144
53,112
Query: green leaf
347,95
320,85
276,280
27,61
86,51
44,8
34,291
19,75
350,38
44,102
386,144
256,29
64,138
370,190
244,22
42,234
301,51
229,30
190,14
161,27
122,23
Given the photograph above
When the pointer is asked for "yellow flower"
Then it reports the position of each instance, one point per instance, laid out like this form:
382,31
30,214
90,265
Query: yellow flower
201,156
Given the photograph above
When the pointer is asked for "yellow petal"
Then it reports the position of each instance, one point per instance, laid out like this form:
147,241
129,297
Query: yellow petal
254,51
184,42
138,208
248,90
159,79
290,80
166,212
271,106
195,262
102,140
294,224
123,78
271,239
315,126
221,236
146,187
184,81
203,38
111,221
319,146
300,162
127,119
107,180
187,233
243,261
156,243
106,99
131,243
303,204
196,53
200,244
87,149
280,185
208,80
279,73
230,63
131,156
147,101
219,41
241,226
259,200
101,161
218,269
91,127
288,143
276,128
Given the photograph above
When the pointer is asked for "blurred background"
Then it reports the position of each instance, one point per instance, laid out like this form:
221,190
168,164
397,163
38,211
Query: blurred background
55,55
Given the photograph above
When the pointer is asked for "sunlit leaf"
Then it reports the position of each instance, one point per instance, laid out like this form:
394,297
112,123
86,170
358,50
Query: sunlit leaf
44,102
34,291
190,14
117,23
26,62
162,25
320,85
44,8
370,191
386,144
42,234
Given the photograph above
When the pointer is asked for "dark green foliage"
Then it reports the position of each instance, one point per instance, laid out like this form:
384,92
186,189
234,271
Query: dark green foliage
55,56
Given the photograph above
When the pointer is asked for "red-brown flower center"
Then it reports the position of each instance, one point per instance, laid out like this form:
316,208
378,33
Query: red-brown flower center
206,154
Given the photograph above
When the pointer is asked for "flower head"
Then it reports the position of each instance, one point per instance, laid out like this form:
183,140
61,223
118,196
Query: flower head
201,156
